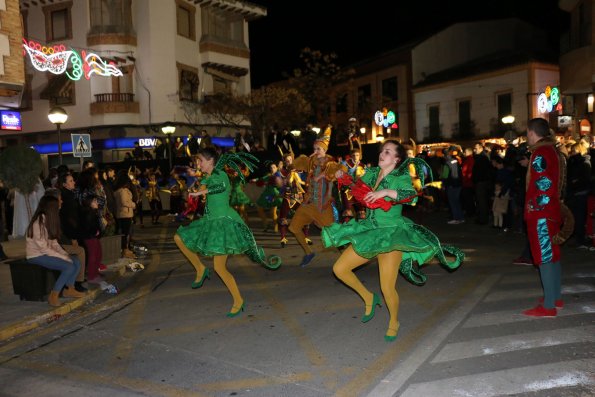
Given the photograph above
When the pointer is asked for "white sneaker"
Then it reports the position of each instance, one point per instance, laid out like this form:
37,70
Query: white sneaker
453,222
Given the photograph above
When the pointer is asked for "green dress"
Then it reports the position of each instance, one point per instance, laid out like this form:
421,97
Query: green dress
385,231
237,195
221,230
270,196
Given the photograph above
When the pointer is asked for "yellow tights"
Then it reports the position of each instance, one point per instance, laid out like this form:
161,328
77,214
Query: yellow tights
388,266
220,264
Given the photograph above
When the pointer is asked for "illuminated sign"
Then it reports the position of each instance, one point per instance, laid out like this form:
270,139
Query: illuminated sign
10,120
386,118
55,59
548,99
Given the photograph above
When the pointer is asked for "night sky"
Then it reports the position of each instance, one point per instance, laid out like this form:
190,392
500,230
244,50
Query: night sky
371,28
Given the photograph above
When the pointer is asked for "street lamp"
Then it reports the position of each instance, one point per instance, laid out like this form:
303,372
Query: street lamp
509,135
168,130
58,116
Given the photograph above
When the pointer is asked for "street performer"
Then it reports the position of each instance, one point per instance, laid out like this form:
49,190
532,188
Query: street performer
318,204
544,214
386,234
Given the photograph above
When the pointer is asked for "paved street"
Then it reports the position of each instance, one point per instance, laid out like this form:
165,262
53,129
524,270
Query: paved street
461,334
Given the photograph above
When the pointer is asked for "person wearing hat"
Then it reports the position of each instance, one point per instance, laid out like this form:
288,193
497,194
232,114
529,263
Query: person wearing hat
318,201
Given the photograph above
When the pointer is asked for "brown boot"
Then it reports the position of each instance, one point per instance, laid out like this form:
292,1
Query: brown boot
53,299
71,292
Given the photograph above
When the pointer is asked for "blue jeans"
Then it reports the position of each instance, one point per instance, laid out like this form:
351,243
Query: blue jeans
68,271
454,200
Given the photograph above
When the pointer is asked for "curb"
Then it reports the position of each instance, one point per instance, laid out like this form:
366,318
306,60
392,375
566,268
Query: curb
34,321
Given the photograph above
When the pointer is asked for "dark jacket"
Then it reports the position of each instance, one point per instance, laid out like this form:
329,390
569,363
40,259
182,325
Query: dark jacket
482,169
90,227
70,213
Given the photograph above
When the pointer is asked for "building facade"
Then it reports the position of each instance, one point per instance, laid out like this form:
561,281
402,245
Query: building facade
577,64
457,84
129,67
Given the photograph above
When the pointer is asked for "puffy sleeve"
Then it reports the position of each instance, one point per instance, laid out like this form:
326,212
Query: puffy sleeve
403,185
217,182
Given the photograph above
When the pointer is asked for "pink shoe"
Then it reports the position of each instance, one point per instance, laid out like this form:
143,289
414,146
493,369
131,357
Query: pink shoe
559,303
540,311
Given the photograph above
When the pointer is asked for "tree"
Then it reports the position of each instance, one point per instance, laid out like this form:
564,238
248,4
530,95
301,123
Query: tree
20,168
262,108
315,81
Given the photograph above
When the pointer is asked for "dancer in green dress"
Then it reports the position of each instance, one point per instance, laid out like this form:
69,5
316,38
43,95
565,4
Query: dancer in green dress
396,241
221,231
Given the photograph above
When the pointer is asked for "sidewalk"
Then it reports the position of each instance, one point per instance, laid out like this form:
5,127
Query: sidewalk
17,317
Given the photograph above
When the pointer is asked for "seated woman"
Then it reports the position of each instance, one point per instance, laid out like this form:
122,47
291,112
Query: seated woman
42,249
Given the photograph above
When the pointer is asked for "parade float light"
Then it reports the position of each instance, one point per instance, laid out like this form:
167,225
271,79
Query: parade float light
58,116
55,59
316,130
590,100
296,132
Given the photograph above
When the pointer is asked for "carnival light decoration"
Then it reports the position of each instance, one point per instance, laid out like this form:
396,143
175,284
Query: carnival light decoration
55,59
385,118
548,99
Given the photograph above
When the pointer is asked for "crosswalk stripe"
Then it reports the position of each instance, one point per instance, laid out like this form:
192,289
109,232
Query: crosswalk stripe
537,291
511,316
510,381
398,376
509,343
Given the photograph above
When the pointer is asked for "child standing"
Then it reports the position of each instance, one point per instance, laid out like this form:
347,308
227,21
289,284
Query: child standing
499,205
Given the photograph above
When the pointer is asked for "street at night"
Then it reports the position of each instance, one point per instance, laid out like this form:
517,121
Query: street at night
461,334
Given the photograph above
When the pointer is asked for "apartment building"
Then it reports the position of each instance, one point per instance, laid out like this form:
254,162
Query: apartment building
456,84
122,69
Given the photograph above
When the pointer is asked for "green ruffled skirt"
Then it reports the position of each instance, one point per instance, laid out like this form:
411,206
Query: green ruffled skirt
224,236
418,244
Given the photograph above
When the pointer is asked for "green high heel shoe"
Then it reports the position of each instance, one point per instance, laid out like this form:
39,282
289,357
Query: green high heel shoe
233,314
375,301
205,274
392,338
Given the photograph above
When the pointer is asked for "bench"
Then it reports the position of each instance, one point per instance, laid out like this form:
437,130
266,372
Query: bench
31,282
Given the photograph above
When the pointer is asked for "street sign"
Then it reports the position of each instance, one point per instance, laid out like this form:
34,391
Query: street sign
81,145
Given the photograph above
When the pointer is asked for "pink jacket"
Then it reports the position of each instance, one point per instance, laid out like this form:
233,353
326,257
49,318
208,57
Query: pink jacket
39,244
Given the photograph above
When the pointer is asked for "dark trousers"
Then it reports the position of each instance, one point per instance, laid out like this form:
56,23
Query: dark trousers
482,198
124,227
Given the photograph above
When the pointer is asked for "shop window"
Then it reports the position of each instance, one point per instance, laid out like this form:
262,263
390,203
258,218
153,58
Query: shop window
390,89
110,16
221,85
434,121
465,119
364,98
58,21
222,25
188,84
185,16
341,105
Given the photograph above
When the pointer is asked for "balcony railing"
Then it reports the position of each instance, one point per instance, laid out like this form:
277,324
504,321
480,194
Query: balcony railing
114,103
114,97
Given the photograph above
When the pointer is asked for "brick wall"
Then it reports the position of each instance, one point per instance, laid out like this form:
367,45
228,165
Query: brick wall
11,30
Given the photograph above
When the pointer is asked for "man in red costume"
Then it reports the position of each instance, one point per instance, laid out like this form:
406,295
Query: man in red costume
545,182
